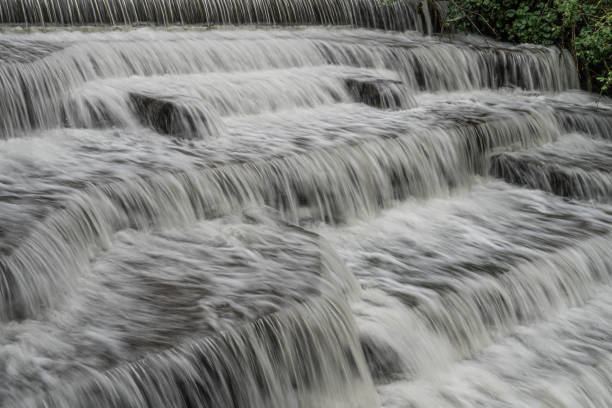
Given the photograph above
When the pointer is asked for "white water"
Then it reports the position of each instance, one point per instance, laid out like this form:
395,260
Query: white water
364,13
393,265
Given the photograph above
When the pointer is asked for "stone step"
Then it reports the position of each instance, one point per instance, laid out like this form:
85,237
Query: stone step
468,269
191,106
32,94
575,166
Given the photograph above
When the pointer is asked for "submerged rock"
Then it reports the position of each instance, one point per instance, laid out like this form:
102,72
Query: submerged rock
170,117
376,92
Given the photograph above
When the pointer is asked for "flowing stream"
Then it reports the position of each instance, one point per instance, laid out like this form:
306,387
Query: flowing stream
296,203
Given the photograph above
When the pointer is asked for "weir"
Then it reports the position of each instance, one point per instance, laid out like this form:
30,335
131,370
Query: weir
411,14
296,203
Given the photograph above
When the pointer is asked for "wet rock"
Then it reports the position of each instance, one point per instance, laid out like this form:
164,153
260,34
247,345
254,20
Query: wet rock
586,175
376,92
383,362
170,117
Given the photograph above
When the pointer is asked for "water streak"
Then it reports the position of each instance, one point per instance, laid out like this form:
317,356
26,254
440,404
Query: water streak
411,14
305,357
33,94
138,267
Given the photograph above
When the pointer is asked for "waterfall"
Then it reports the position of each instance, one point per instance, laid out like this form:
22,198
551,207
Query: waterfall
311,204
413,14
575,167
307,357
41,92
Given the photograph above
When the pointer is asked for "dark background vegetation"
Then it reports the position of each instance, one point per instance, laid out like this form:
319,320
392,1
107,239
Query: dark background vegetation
582,26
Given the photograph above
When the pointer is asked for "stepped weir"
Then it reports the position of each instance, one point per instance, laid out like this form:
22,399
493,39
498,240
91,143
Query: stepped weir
296,203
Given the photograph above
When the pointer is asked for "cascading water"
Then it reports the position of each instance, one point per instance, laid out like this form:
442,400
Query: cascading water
296,216
412,14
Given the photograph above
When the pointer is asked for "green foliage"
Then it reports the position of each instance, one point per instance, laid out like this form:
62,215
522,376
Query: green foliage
583,26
